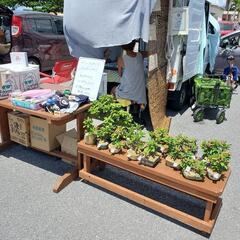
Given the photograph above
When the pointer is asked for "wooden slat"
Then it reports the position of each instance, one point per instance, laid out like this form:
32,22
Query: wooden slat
148,202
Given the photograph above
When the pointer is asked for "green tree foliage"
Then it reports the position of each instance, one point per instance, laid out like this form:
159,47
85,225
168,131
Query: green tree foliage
54,6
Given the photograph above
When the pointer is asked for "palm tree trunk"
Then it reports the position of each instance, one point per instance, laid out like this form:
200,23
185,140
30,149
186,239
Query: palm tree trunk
157,85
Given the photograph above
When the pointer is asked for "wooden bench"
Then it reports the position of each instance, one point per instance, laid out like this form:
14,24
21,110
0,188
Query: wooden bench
208,190
79,115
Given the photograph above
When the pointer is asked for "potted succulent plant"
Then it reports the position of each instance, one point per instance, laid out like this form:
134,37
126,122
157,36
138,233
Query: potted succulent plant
134,143
217,164
149,156
193,169
90,132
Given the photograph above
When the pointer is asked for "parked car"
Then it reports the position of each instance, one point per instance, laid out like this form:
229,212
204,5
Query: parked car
229,45
5,31
226,27
41,36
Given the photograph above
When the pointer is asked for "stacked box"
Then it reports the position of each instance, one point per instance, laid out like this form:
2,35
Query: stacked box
19,128
43,135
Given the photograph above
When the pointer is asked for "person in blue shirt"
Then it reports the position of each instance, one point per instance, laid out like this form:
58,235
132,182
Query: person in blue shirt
231,72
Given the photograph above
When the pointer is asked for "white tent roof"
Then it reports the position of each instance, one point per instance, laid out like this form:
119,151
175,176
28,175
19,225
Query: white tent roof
219,3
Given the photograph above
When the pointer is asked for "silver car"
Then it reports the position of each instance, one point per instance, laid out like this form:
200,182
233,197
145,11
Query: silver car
229,45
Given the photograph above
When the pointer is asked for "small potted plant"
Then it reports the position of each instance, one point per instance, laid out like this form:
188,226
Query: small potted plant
134,143
115,147
217,164
103,107
117,138
180,147
193,169
162,138
104,135
149,156
90,132
213,147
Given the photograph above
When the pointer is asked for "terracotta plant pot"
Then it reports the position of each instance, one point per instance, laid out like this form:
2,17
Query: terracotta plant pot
113,149
132,155
213,175
191,175
102,145
170,162
89,139
150,162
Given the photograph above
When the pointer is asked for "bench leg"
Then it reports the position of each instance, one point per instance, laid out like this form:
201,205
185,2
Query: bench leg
208,211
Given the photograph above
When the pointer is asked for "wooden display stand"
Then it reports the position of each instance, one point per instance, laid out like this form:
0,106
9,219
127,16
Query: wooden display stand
207,190
79,115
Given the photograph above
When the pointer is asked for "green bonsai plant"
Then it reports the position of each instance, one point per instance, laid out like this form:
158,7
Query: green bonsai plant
117,138
149,155
162,138
90,131
134,142
180,147
103,107
104,135
213,147
193,169
217,164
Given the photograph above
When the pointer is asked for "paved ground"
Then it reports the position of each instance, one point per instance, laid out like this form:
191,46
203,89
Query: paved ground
29,210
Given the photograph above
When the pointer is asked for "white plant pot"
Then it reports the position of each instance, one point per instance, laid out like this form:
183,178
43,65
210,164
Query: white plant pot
192,175
170,162
213,175
132,155
150,162
113,149
102,145
89,139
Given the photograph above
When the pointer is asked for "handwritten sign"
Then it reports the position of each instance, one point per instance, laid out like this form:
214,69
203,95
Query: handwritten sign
88,77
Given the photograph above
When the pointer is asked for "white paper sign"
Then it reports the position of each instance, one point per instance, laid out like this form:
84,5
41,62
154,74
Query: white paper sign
19,58
88,77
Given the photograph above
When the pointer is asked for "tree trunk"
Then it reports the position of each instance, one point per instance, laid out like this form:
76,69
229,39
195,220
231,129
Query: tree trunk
157,85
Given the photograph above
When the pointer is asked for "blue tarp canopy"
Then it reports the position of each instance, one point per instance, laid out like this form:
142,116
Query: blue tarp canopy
92,25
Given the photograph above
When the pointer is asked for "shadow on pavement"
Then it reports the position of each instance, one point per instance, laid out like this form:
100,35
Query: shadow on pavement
161,193
37,159
173,113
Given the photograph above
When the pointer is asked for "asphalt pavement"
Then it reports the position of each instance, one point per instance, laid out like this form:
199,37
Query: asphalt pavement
29,210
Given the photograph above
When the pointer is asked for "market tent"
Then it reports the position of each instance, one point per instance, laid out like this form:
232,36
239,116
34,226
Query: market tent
89,30
219,3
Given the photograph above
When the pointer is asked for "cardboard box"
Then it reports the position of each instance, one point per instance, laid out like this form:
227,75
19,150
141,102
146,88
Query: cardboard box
19,128
15,77
43,135
68,142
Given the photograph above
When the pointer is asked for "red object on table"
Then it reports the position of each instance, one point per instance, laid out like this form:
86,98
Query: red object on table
61,72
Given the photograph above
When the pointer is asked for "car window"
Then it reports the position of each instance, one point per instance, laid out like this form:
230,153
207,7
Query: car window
231,41
29,25
224,26
59,26
44,26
